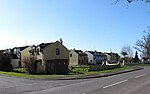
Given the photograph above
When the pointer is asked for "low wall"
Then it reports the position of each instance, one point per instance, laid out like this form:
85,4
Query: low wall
146,62
132,63
103,67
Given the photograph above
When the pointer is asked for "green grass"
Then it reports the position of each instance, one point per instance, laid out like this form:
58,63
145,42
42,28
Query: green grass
106,71
21,74
144,65
29,76
80,69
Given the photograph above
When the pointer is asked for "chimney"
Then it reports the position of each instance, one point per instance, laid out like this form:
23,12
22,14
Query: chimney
61,41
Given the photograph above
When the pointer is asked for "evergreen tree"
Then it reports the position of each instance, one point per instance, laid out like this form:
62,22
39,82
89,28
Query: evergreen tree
136,58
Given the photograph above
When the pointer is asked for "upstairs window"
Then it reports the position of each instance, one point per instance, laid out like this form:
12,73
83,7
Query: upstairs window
70,55
57,51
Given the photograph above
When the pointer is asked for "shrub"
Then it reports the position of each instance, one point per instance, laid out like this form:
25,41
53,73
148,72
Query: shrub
5,64
30,65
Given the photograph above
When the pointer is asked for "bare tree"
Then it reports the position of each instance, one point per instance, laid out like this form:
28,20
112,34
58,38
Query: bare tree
128,50
143,45
130,1
146,1
30,65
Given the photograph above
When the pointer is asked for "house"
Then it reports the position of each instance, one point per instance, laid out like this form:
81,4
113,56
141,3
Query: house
2,51
21,53
13,57
95,57
78,57
112,57
54,56
14,60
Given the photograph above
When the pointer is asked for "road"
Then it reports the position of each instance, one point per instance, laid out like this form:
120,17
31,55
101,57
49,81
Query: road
137,82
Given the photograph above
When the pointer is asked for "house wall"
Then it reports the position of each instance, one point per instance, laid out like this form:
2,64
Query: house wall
56,63
99,59
50,52
14,63
73,60
25,54
90,57
108,57
83,60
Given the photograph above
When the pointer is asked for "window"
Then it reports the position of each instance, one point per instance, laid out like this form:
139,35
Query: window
38,51
91,61
57,51
70,55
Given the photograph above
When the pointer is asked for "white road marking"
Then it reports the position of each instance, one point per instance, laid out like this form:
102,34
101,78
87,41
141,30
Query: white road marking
84,93
140,75
115,83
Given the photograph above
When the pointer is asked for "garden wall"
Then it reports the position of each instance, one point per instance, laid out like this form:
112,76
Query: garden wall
103,67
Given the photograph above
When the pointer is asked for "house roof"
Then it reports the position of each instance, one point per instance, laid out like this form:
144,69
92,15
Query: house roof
93,52
43,45
21,48
1,51
78,51
14,56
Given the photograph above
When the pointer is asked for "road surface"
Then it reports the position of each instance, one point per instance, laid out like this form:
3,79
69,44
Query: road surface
137,82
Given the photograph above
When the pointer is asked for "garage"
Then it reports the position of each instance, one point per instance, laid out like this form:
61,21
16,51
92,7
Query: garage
57,66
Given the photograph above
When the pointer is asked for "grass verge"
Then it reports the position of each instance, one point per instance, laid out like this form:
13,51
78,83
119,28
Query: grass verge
21,74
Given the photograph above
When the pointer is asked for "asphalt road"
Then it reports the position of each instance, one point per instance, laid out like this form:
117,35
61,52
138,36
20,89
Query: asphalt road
137,82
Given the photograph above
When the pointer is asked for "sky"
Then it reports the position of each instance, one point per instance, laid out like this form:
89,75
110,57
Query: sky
82,24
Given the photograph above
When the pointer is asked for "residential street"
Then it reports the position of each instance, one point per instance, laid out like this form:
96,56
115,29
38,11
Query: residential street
137,82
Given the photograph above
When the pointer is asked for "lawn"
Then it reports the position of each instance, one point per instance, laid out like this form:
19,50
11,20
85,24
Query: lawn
21,74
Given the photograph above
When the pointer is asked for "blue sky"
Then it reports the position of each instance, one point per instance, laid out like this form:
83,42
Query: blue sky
82,24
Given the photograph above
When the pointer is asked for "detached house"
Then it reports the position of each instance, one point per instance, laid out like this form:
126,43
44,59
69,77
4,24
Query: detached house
112,57
20,53
95,57
53,56
78,57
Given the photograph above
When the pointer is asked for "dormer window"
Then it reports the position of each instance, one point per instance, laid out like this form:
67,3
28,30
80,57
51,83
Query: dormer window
57,51
38,50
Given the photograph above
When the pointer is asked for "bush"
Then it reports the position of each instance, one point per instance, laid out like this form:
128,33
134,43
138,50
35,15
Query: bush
5,64
79,69
30,65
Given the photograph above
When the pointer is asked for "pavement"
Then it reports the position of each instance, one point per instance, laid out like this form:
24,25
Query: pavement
101,74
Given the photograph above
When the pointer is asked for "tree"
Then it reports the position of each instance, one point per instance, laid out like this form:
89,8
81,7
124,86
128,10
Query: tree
130,1
136,58
128,50
146,1
30,65
124,54
143,45
5,64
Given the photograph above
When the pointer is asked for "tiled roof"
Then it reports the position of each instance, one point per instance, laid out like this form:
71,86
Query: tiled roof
43,45
21,48
14,56
1,51
78,51
93,52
